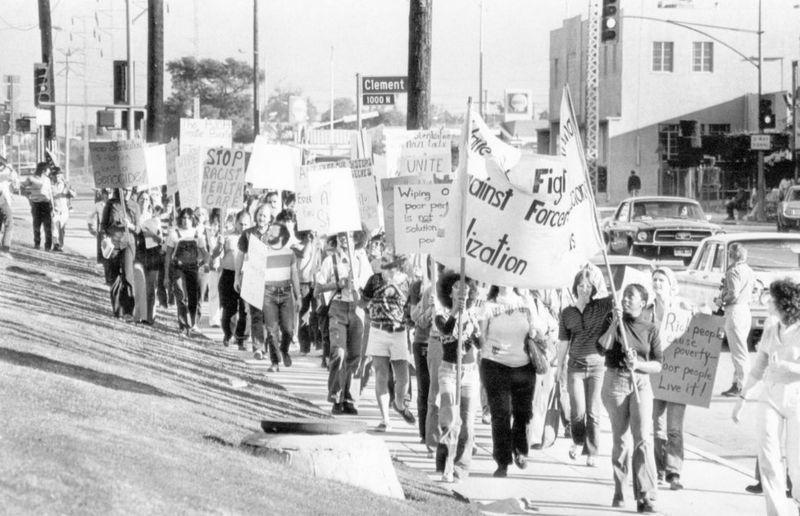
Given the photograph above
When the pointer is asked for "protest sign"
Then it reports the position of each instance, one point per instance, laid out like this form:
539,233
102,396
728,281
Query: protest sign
367,191
254,272
428,156
483,145
189,172
273,166
420,211
118,164
223,179
171,153
387,202
326,199
689,363
155,156
202,133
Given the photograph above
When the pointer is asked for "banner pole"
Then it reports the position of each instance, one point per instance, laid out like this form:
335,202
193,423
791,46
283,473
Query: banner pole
464,178
599,235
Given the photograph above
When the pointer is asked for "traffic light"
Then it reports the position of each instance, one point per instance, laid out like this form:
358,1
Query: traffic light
5,123
766,116
42,89
609,21
120,82
138,116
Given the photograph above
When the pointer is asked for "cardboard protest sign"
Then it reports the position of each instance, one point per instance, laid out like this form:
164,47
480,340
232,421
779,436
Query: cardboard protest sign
367,191
171,153
273,166
223,179
420,211
254,272
428,156
330,204
118,164
189,178
690,361
202,133
387,202
155,157
483,145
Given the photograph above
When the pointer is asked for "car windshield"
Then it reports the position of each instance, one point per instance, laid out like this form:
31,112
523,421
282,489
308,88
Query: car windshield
794,195
643,210
767,255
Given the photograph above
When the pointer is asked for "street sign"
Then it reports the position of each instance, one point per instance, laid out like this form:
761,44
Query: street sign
379,99
762,142
387,84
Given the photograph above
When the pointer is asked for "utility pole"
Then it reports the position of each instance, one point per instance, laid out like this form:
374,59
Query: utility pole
761,180
481,97
46,33
795,121
155,70
256,116
66,115
420,17
591,114
129,74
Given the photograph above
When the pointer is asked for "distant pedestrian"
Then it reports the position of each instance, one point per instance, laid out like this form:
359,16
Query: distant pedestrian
9,183
736,203
39,191
777,364
96,216
634,184
630,361
735,298
62,204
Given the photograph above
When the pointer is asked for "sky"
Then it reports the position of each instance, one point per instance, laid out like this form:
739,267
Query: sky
295,39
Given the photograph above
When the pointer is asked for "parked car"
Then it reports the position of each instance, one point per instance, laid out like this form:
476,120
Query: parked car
770,255
618,265
658,227
788,216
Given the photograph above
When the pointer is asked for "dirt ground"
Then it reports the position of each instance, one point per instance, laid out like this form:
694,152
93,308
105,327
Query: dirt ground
99,416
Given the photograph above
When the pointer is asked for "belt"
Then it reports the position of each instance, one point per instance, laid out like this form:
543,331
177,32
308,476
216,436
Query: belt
389,328
278,284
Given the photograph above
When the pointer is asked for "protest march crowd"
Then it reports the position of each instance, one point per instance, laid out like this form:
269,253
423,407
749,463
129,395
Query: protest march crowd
537,357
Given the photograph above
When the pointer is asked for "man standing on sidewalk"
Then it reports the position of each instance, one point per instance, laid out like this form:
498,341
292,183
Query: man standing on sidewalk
343,279
634,184
737,290
62,195
9,181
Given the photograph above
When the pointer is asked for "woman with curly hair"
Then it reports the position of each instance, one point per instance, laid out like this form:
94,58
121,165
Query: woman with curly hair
778,365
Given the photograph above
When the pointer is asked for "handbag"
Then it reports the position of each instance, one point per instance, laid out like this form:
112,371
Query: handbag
536,355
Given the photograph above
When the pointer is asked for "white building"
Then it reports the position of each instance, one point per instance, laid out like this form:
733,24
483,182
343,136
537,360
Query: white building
658,73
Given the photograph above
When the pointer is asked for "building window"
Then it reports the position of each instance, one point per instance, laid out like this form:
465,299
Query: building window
555,73
662,56
668,141
719,129
703,56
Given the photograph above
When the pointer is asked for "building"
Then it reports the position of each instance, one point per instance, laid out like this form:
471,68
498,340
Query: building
658,73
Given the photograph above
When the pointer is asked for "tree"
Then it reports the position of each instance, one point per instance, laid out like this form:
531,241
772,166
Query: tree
342,106
225,90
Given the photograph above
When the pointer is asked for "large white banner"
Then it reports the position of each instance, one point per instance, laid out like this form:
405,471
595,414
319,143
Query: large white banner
484,145
273,166
203,133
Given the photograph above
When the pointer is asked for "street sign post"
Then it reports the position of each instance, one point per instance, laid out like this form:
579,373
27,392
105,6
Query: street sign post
378,99
384,84
760,142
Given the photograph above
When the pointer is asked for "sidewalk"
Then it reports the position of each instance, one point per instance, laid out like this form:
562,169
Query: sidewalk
555,484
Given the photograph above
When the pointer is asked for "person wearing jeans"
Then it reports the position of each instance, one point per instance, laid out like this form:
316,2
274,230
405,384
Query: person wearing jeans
39,191
232,303
185,246
580,326
630,361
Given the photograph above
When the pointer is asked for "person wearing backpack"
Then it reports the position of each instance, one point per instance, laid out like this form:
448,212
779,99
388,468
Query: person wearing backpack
185,252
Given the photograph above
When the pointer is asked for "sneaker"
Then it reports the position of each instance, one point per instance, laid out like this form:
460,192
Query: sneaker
645,506
500,472
460,472
226,342
349,408
755,488
573,451
274,368
591,461
258,354
448,477
337,409
675,484
287,360
383,427
407,415
521,460
618,501
733,392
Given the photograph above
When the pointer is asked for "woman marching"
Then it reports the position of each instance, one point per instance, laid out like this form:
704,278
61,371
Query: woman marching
147,261
185,251
668,415
627,395
232,304
580,326
777,364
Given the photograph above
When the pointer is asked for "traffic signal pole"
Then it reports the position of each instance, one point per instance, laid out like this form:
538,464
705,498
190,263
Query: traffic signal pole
129,75
46,33
761,180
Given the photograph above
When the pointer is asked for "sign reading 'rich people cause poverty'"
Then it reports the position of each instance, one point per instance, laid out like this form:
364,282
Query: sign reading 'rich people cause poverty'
118,164
223,179
689,363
